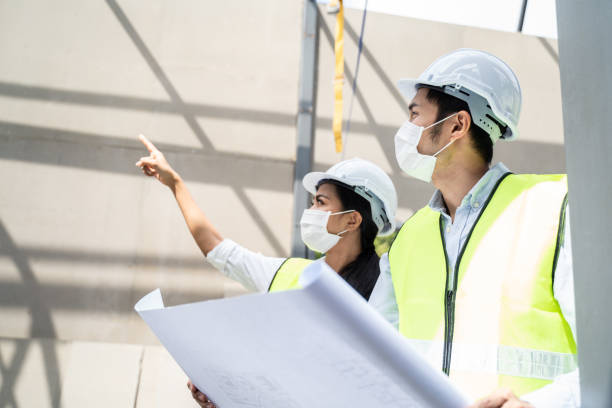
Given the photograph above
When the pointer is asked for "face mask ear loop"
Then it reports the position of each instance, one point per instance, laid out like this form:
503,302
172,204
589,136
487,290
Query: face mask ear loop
441,120
444,148
341,212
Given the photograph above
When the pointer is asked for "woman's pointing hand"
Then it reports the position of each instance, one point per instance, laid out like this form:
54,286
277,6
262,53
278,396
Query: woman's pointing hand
156,165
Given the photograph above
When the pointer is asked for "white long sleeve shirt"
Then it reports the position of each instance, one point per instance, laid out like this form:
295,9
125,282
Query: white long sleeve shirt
253,270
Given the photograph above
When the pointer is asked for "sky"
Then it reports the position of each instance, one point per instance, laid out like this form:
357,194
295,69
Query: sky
504,15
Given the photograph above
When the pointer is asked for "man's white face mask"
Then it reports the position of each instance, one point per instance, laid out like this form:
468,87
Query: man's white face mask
412,162
313,228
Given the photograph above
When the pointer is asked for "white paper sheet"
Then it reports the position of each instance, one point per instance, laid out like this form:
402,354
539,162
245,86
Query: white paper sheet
320,346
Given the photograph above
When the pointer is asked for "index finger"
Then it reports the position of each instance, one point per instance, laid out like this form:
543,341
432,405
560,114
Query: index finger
150,146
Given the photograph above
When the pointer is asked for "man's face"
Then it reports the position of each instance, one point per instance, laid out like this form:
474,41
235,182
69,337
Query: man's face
424,113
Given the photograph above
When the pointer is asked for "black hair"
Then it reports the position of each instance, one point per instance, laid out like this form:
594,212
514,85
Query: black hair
447,105
363,272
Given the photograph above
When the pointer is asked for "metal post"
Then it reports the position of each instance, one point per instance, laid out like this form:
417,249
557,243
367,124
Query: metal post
305,121
522,16
585,58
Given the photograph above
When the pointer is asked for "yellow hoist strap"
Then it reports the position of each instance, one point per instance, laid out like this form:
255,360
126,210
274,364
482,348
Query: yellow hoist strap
338,78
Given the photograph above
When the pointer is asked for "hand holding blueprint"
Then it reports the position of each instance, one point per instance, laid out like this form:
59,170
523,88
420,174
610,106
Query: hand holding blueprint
320,346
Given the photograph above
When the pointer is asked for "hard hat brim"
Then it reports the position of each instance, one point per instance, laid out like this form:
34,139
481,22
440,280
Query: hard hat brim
312,179
407,87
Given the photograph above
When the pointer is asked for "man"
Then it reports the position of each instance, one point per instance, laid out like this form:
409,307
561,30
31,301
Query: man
480,280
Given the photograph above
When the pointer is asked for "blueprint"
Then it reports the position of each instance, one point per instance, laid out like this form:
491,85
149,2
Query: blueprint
319,346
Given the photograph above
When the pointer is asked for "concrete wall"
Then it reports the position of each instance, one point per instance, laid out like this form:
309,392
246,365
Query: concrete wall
83,234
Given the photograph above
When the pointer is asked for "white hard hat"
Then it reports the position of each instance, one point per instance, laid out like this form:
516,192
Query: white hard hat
485,82
369,181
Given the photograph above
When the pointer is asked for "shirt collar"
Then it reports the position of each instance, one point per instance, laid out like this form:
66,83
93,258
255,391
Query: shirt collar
477,195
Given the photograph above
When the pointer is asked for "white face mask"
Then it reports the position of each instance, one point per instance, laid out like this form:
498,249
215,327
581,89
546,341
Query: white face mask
412,162
313,227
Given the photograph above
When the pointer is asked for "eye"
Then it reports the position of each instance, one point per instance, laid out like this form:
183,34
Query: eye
316,201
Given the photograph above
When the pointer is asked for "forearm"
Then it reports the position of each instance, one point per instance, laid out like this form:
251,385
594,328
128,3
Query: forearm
203,231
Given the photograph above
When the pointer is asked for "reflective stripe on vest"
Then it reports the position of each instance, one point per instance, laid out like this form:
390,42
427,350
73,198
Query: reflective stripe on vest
288,274
505,315
507,360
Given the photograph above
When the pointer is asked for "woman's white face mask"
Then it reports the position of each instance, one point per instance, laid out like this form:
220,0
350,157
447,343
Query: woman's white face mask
412,162
313,228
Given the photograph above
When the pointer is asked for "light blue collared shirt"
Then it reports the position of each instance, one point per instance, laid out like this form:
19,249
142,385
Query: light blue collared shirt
455,233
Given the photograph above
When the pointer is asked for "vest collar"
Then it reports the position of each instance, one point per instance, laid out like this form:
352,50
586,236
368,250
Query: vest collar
478,195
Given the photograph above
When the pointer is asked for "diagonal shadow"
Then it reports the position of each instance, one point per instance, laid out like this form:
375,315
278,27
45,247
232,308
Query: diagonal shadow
160,74
189,116
197,164
549,48
399,99
263,226
41,323
382,133
9,374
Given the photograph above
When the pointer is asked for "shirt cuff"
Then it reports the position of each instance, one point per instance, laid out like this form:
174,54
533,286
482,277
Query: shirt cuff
563,392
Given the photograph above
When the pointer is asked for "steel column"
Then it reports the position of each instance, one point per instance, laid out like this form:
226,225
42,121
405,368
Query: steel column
585,57
305,121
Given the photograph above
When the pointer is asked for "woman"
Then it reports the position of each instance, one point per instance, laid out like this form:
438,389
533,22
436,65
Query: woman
354,201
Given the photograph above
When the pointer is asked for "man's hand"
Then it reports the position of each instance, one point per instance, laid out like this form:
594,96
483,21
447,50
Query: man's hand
501,398
156,165
200,397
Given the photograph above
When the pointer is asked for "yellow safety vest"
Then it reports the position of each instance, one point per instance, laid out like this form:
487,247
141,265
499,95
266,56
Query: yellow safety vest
288,274
493,321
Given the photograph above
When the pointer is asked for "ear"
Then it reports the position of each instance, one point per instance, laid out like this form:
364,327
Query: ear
460,125
354,222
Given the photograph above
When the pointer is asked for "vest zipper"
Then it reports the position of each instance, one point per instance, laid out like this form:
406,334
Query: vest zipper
450,291
449,308
449,313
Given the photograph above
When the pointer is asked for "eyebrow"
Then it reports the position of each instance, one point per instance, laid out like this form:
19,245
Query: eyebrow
412,105
321,195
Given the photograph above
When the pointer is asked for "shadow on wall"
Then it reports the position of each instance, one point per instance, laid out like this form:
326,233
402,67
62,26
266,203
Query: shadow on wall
519,156
93,159
41,299
41,325
40,145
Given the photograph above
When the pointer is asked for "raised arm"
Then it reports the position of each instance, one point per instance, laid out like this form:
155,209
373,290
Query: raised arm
155,165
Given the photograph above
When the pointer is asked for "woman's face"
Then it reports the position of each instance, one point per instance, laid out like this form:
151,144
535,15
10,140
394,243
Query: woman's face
327,199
